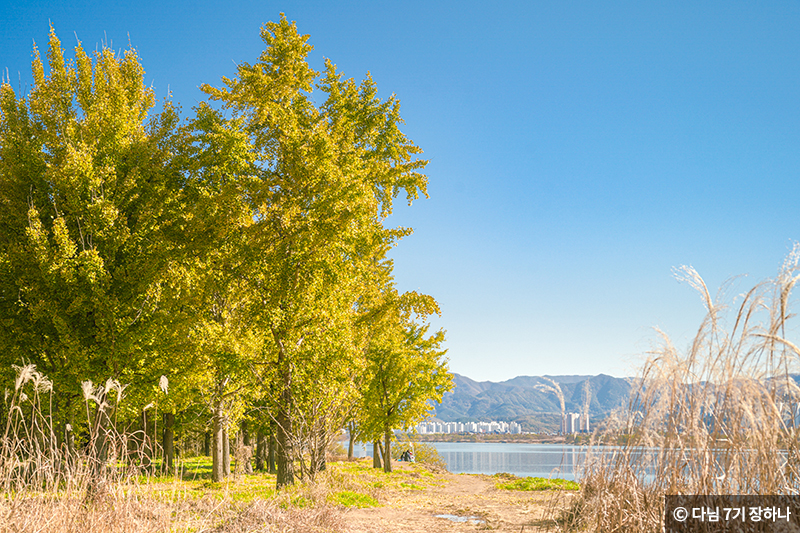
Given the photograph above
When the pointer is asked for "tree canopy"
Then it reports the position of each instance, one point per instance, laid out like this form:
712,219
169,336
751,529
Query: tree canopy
239,253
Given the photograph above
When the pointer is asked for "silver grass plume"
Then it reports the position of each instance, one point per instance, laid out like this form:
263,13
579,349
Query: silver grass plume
24,374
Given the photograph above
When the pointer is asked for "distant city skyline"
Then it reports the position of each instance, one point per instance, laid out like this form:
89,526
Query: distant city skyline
578,151
493,426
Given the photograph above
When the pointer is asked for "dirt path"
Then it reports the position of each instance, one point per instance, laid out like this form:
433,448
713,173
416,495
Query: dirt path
458,495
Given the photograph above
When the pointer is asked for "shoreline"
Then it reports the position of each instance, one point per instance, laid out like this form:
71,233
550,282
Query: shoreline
524,438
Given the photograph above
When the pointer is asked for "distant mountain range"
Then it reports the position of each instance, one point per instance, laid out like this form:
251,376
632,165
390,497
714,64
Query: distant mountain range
522,399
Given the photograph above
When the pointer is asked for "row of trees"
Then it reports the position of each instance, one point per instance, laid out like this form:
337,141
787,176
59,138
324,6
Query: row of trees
240,253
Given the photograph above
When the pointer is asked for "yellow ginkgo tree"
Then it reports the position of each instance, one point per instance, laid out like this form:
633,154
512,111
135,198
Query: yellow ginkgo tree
405,367
90,209
326,178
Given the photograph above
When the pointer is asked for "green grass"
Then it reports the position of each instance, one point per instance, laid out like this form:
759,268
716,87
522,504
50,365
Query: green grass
349,498
510,482
194,481
412,476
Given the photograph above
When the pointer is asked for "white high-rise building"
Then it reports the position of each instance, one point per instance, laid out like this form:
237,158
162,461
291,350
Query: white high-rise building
570,423
584,425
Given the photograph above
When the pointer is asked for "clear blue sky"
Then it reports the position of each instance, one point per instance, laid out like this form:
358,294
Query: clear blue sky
579,150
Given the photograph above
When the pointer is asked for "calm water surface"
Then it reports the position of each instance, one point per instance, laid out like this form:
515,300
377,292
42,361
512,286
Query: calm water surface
539,460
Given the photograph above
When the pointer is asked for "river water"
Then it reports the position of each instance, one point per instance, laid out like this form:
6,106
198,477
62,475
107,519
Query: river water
538,460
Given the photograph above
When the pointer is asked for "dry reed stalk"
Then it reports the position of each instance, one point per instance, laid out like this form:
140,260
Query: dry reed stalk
721,418
137,514
100,487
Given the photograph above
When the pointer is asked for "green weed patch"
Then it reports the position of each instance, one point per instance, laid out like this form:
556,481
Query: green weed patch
509,482
353,499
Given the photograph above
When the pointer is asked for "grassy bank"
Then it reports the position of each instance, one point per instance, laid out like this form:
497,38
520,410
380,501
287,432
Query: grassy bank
191,502
346,491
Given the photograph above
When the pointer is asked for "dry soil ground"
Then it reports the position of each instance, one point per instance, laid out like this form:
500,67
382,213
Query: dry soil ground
458,495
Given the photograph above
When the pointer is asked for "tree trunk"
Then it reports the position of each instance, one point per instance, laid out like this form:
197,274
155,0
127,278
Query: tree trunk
284,452
226,449
217,447
376,454
69,439
99,450
271,453
244,452
387,451
321,462
261,450
146,450
244,427
207,444
168,443
351,429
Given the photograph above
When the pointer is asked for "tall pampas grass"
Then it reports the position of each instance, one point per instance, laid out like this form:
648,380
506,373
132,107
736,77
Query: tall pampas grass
720,417
50,483
102,484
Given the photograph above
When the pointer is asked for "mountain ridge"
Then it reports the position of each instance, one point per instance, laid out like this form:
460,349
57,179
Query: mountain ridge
525,399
